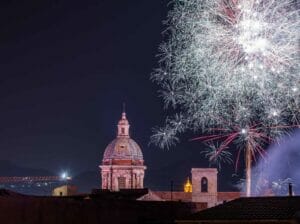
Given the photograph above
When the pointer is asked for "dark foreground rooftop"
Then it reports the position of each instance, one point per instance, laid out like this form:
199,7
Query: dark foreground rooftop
250,210
98,207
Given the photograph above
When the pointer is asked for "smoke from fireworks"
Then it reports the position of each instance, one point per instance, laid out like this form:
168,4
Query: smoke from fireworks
281,168
230,65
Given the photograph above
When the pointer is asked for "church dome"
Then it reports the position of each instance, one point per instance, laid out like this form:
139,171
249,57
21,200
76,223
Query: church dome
123,150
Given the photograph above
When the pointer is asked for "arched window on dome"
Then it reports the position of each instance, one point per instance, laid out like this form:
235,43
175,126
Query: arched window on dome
204,184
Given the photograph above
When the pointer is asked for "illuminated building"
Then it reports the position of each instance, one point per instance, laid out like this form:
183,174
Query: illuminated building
203,189
123,168
65,190
188,188
35,185
123,164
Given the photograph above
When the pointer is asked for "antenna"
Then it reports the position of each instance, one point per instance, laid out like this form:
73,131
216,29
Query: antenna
124,107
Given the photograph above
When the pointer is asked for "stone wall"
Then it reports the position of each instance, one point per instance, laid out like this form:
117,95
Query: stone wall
176,195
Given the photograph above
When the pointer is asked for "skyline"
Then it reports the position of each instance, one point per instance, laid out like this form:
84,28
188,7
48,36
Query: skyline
65,73
67,68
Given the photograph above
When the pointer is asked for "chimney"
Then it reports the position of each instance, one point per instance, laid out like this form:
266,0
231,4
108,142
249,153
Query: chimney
290,189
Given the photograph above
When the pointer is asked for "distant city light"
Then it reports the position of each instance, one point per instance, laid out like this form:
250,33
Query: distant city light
65,176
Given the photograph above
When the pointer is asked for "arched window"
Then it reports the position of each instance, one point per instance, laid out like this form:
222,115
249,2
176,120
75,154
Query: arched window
204,184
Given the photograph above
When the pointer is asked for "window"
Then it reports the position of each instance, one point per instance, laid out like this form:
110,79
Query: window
123,131
122,182
134,181
204,184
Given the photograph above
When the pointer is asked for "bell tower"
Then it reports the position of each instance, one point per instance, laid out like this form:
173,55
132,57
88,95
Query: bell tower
123,126
205,185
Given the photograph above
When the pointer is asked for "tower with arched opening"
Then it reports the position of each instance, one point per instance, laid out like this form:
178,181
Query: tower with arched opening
205,185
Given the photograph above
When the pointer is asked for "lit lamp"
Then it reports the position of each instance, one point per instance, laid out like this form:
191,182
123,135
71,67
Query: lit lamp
188,188
65,177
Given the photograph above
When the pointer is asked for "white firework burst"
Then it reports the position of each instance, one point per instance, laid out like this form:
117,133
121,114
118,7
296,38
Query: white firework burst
230,63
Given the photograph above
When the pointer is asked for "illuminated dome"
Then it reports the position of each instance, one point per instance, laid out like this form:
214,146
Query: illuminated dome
123,164
123,150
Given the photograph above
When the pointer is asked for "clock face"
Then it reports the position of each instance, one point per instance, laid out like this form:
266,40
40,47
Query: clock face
122,147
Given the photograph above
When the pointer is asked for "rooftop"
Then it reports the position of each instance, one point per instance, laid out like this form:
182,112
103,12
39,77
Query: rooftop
252,208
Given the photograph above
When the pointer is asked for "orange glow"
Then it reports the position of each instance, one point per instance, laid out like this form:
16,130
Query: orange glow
188,188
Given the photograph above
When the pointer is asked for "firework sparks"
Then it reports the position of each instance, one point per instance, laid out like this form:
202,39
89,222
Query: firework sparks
280,187
228,64
215,157
222,138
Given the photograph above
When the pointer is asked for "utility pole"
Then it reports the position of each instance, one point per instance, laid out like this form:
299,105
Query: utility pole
290,189
172,186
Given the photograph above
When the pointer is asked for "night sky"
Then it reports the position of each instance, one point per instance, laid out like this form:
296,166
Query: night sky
66,68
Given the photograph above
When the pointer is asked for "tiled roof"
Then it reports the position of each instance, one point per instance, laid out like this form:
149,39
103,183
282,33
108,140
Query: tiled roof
151,196
176,195
253,208
228,196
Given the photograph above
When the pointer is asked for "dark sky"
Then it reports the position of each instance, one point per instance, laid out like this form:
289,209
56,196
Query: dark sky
66,67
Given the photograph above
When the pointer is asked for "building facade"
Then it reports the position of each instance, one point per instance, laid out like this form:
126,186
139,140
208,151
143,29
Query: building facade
203,189
123,164
123,168
65,190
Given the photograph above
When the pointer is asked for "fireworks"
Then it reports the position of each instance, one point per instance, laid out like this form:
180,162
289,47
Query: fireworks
215,157
229,64
280,187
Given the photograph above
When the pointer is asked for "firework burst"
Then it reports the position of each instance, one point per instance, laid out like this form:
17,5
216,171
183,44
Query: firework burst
229,64
215,157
